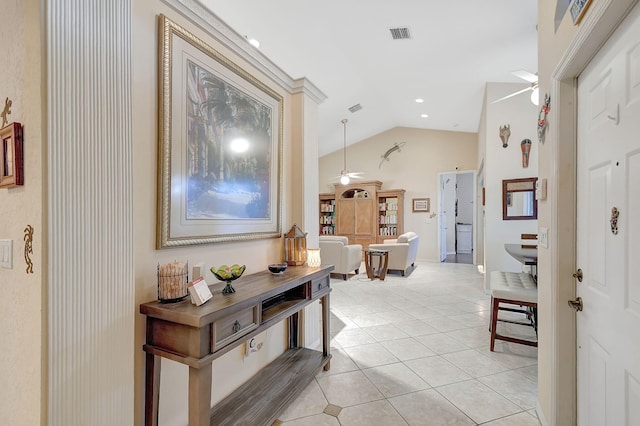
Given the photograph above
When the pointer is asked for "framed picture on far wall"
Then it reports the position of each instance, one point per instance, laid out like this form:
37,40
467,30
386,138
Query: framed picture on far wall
219,146
421,205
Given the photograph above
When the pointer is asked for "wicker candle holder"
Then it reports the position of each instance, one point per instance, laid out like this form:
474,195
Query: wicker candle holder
172,282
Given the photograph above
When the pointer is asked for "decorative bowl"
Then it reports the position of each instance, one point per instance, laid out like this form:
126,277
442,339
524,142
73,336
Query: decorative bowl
277,268
228,274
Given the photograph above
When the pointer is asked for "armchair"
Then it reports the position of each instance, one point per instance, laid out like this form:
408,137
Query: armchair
336,250
402,252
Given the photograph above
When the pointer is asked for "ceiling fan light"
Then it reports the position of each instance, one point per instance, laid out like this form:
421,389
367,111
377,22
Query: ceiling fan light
534,97
344,179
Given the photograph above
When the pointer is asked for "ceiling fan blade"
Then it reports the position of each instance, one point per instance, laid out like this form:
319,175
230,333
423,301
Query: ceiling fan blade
512,95
525,75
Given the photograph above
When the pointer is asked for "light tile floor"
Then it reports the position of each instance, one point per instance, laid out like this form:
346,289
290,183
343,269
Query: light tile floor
415,351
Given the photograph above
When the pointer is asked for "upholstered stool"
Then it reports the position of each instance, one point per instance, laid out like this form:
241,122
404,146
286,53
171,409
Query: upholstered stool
514,288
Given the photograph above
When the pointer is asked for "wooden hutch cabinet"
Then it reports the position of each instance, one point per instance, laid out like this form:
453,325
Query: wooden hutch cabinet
362,212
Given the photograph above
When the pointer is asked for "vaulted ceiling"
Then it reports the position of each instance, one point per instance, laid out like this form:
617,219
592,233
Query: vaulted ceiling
346,49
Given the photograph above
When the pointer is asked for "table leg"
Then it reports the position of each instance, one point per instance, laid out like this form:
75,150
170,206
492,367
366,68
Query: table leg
294,330
326,340
200,396
152,389
368,265
384,262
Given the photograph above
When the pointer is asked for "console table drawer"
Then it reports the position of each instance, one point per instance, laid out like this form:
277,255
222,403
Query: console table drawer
230,328
319,284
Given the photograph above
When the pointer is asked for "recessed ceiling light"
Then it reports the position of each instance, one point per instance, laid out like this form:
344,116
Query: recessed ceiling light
424,115
252,41
419,100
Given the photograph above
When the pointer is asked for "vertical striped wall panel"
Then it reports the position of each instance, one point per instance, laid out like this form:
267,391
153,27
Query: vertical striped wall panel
90,242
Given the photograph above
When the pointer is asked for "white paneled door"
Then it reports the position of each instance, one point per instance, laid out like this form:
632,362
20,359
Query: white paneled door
608,232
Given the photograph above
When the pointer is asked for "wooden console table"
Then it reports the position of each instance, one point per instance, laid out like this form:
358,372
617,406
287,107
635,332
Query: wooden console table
195,336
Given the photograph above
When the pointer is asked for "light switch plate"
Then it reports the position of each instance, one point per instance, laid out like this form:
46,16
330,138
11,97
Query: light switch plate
541,189
542,237
6,254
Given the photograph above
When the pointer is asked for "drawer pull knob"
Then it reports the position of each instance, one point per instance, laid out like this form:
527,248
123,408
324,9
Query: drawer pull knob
236,326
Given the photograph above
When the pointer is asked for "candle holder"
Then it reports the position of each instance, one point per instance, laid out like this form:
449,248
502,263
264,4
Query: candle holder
313,258
172,282
295,246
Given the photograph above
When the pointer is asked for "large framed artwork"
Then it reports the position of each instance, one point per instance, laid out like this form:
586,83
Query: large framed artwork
219,149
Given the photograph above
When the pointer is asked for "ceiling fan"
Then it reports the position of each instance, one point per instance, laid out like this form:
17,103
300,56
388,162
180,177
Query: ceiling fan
345,175
527,76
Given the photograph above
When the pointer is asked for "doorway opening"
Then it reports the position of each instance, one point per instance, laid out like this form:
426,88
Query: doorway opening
456,211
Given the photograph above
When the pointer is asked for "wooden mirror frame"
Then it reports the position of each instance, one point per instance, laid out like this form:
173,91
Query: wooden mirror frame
11,161
511,186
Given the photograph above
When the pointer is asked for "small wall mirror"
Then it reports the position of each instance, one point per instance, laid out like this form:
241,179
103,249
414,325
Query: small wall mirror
518,199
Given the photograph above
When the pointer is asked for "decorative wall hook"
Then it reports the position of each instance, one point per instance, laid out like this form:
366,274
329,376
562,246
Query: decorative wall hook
6,111
505,132
542,118
525,146
28,247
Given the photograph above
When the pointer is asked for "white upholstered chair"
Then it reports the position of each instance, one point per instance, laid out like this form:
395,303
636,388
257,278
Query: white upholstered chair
402,252
336,250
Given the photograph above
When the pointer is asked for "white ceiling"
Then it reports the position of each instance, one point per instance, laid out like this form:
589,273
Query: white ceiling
346,50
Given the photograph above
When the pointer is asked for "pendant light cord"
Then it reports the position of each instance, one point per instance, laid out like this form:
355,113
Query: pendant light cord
344,151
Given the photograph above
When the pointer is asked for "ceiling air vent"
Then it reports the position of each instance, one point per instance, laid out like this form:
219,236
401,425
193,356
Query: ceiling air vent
355,108
400,33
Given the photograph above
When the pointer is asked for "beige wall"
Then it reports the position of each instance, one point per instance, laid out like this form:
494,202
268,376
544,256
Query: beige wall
232,369
23,301
415,169
562,55
506,163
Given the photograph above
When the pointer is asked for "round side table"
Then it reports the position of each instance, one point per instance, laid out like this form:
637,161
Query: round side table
379,271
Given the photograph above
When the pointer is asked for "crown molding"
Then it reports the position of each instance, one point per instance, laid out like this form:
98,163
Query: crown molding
201,16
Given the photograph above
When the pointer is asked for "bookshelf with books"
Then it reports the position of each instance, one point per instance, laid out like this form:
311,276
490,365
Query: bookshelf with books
390,214
327,214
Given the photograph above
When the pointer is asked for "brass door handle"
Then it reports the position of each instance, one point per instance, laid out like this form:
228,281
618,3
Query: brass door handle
578,275
576,304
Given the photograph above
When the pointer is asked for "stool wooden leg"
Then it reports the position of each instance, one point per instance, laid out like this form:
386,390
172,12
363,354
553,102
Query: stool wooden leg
490,318
494,321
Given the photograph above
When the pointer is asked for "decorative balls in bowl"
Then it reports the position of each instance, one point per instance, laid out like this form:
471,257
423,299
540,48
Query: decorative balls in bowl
228,274
277,268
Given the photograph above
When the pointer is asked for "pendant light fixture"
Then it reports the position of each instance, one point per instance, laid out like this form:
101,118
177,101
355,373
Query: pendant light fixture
345,176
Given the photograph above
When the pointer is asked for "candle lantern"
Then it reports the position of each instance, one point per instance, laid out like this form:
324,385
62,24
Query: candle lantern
295,246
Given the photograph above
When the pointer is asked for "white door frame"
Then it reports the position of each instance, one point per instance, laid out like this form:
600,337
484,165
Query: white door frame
474,217
557,264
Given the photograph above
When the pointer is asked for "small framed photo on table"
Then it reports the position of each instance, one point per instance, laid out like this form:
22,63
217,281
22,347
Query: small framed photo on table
421,205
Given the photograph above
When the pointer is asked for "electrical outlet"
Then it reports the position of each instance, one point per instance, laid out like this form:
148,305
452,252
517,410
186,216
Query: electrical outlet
543,237
252,346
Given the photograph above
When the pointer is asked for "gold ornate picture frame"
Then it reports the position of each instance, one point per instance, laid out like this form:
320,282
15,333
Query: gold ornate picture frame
220,134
